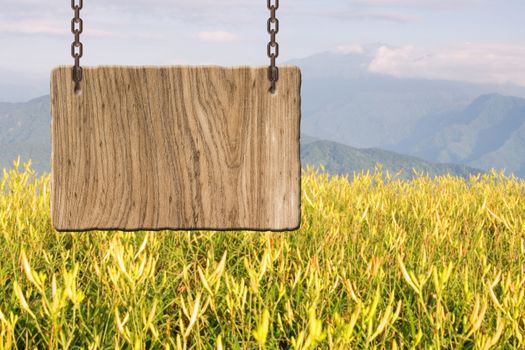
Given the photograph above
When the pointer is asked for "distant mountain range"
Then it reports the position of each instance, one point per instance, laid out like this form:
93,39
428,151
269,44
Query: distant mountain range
25,130
356,119
344,102
490,132
339,159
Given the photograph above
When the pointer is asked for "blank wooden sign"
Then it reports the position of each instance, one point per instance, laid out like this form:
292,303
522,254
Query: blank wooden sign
151,148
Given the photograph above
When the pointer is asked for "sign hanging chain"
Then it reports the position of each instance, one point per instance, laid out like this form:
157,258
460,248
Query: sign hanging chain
77,49
273,45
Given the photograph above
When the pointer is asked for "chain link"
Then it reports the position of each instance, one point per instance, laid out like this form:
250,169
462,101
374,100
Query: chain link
273,45
77,49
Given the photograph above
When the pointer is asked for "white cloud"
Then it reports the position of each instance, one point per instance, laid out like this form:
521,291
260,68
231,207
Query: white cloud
469,62
57,28
33,27
378,16
360,15
217,36
443,4
353,48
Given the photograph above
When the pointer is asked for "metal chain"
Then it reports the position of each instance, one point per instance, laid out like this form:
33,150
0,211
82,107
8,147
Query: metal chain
273,45
77,49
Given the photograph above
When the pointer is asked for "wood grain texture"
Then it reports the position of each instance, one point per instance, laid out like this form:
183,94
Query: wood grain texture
181,147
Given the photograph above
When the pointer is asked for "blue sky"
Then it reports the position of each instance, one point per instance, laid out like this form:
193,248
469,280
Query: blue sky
471,40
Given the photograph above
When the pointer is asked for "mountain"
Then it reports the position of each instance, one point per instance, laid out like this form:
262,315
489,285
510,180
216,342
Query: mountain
344,102
345,160
477,125
25,129
490,132
25,122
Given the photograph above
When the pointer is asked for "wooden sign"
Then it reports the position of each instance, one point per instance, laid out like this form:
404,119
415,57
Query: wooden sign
183,147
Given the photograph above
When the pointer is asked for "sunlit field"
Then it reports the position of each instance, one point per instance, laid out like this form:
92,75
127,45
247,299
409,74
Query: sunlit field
377,263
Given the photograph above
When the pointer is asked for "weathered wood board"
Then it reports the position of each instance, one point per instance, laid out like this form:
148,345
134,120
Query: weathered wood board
181,148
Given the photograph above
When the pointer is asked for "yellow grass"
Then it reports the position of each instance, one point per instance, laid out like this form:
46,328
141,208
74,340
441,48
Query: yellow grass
375,265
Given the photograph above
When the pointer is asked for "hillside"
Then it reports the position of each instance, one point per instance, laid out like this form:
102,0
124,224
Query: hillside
25,131
490,132
342,159
344,102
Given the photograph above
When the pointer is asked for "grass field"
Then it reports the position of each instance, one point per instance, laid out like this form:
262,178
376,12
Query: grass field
376,264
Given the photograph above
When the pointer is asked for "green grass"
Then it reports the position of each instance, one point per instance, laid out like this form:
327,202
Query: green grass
376,264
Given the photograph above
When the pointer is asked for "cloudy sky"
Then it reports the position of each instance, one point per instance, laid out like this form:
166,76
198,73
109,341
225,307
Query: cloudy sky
471,40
